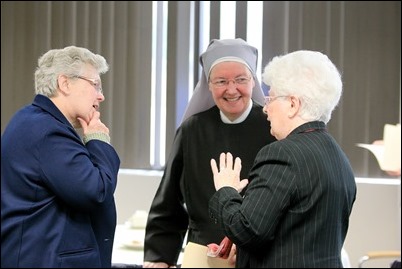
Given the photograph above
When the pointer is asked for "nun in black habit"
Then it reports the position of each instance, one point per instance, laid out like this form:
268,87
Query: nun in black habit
227,102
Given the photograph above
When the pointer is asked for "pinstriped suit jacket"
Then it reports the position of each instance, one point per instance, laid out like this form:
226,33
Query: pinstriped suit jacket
295,210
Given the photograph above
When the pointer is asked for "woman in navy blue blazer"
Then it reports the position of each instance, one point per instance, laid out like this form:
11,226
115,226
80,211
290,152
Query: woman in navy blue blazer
296,207
57,187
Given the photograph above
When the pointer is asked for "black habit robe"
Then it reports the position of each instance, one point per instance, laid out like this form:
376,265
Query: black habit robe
181,201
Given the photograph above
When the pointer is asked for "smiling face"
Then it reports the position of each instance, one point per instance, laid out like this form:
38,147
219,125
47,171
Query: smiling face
231,85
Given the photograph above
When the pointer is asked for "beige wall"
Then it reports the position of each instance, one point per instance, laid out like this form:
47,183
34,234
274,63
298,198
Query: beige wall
375,223
135,191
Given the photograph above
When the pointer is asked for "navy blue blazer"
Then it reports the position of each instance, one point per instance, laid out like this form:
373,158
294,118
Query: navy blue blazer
295,211
57,194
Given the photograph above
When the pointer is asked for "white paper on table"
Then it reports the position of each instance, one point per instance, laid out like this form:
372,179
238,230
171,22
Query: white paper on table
388,155
392,147
377,150
195,256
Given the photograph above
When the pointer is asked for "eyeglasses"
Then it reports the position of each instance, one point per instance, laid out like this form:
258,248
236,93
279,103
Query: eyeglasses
94,82
221,82
270,99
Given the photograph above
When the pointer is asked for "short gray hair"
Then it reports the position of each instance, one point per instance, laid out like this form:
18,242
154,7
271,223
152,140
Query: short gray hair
68,61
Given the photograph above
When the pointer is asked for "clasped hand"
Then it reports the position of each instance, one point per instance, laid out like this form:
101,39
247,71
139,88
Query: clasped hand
228,174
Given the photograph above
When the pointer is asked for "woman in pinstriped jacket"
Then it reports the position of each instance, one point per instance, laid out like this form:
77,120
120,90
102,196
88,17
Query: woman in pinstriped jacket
295,209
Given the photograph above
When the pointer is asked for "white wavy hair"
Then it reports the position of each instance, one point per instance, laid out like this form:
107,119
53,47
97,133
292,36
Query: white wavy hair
309,75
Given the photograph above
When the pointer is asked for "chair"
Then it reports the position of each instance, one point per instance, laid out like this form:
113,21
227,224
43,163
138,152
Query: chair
375,255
